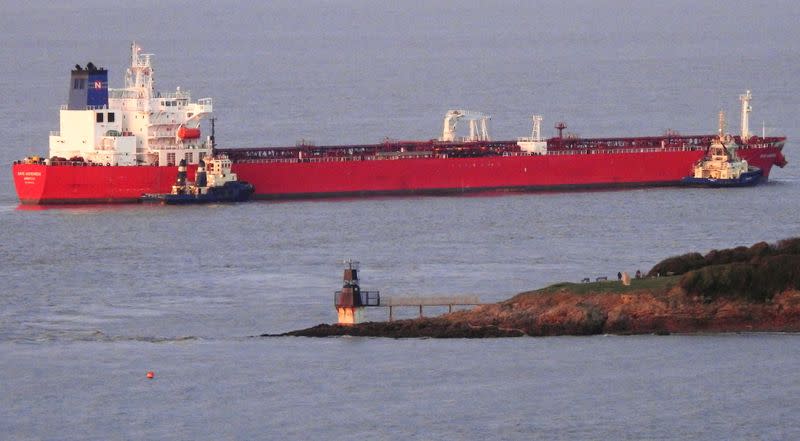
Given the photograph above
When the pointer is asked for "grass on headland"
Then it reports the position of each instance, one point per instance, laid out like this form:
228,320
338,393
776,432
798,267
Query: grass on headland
754,274
653,284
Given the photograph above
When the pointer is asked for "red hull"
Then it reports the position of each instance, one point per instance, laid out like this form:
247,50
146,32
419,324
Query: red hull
442,175
70,184
297,178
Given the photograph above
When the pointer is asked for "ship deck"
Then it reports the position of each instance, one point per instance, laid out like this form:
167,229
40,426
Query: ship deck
393,150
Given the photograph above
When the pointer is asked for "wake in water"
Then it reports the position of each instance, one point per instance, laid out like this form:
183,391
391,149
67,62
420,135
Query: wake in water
99,336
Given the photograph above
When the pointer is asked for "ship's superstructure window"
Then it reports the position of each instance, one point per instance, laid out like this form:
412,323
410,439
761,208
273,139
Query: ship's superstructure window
110,116
170,158
99,116
189,157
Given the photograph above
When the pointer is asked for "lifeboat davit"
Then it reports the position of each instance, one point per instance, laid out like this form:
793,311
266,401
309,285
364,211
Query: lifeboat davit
188,133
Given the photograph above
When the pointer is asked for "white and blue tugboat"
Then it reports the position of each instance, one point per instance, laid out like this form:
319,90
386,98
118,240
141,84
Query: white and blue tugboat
721,167
214,182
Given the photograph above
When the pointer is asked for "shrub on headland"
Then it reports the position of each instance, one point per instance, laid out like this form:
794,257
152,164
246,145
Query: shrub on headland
758,281
733,255
754,254
788,246
733,279
779,273
678,264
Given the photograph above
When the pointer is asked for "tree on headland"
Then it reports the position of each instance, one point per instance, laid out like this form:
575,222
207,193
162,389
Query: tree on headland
756,273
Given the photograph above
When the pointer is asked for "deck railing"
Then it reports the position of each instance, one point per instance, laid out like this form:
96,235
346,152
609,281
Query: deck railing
370,157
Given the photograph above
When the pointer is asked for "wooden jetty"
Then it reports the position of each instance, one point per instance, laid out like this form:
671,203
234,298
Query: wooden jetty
351,300
421,301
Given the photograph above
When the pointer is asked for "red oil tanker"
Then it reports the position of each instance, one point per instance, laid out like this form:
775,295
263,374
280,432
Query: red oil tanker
117,144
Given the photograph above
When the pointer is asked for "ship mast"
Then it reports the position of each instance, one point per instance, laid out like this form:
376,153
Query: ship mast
536,131
746,109
213,137
560,126
139,75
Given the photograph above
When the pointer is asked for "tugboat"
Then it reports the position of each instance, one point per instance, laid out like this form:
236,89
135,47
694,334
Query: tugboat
721,167
214,183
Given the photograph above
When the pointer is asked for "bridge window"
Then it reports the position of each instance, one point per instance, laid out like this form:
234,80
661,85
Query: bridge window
99,116
110,116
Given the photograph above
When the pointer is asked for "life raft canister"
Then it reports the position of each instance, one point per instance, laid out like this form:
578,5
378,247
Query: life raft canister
188,133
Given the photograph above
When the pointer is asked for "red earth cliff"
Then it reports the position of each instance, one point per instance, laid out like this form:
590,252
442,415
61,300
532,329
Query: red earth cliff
581,309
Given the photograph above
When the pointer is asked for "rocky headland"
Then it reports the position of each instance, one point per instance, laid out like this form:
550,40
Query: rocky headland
742,289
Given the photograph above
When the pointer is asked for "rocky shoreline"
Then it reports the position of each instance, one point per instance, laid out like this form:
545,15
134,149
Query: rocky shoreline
754,289
568,313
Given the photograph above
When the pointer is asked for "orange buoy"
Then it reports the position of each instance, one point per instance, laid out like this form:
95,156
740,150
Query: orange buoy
150,374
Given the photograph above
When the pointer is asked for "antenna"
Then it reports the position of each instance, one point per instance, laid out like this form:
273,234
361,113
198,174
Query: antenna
213,138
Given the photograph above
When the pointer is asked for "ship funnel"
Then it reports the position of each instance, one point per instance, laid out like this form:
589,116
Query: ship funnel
88,88
181,180
200,178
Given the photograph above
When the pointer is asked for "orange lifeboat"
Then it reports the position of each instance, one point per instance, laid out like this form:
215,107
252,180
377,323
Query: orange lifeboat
188,133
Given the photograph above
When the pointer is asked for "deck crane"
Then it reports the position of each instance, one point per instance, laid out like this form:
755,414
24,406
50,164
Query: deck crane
478,130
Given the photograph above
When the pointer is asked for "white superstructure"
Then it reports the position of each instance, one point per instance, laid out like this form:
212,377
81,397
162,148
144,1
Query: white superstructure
96,135
212,172
137,126
721,161
218,170
534,144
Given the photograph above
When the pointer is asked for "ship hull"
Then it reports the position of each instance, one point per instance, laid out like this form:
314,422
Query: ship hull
39,184
747,179
463,175
235,191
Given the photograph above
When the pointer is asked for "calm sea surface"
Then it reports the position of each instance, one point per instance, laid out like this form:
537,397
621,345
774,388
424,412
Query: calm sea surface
94,297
